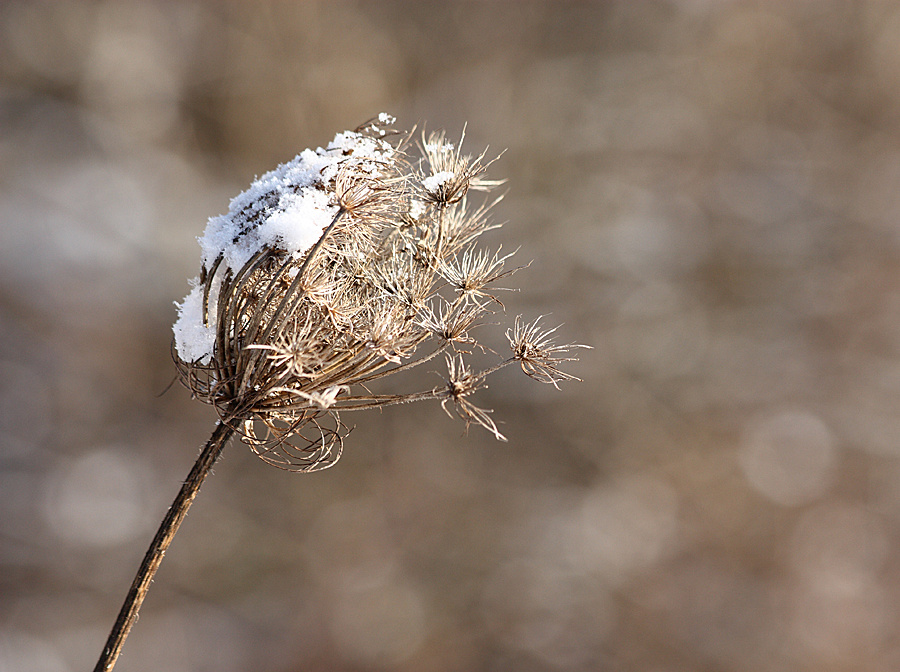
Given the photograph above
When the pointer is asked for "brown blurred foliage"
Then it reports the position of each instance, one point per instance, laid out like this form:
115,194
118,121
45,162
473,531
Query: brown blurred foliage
709,191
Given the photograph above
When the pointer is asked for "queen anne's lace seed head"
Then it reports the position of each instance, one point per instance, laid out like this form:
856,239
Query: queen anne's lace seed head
348,264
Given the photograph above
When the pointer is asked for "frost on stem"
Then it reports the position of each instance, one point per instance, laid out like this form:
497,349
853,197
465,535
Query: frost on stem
348,264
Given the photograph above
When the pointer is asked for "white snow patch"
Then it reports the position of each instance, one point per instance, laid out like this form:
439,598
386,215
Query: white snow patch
300,223
287,208
434,182
439,148
193,339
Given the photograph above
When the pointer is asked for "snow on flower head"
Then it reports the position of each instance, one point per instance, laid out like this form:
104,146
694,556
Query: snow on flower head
345,266
288,209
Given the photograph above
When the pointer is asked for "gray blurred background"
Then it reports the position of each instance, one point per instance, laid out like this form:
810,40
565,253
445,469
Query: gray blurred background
710,192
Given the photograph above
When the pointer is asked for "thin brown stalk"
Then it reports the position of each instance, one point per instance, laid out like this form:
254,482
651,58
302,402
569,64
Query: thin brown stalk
164,535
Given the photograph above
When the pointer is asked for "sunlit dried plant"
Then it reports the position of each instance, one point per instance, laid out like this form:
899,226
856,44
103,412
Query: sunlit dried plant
346,265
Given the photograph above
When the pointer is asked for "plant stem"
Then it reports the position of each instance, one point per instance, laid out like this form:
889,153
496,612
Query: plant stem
164,535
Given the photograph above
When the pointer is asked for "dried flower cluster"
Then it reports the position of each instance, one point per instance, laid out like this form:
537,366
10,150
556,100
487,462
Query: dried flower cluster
346,265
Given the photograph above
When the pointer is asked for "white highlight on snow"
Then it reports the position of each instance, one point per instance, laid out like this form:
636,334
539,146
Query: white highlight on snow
287,208
438,148
194,340
417,209
434,182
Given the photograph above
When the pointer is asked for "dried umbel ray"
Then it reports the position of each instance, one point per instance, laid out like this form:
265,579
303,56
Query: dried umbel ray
346,265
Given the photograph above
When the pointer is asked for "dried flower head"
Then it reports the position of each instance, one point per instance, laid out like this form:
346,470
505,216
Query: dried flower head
536,350
327,274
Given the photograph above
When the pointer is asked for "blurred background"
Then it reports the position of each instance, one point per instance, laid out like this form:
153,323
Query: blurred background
710,192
